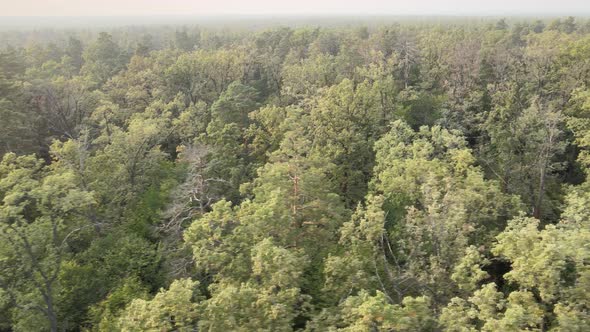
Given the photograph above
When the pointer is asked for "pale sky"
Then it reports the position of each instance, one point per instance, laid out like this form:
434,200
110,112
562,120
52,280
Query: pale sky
252,7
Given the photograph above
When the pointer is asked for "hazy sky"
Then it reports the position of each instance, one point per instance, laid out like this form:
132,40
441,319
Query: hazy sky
212,7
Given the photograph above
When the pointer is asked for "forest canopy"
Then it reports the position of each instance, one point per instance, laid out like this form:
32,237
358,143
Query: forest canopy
396,176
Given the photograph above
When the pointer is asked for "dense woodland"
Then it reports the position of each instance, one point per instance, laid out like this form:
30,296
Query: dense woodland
390,177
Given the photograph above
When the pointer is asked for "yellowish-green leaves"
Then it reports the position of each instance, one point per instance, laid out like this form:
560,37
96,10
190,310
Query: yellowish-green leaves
174,309
468,273
549,276
218,242
364,313
488,310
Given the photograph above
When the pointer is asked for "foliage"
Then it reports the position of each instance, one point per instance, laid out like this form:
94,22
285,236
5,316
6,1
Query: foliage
398,176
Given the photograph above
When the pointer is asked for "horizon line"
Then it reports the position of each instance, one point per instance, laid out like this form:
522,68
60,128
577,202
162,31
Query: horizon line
320,14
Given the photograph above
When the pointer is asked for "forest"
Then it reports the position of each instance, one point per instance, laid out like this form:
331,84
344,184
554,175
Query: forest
392,176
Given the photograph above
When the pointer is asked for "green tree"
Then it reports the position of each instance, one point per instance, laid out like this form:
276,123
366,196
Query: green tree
523,153
173,309
103,59
270,301
348,120
548,277
75,50
365,312
204,75
42,210
430,185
